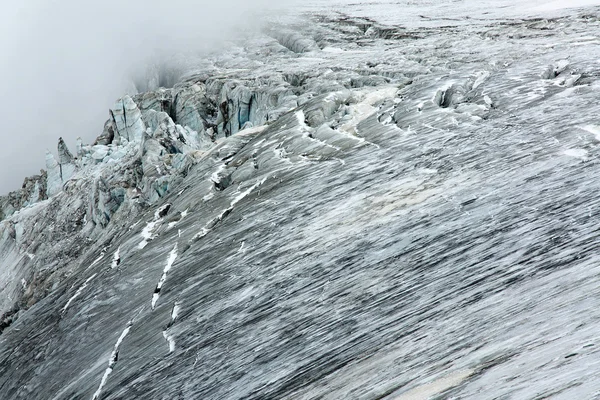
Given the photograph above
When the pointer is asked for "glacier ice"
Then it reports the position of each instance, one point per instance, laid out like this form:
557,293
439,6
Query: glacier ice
384,202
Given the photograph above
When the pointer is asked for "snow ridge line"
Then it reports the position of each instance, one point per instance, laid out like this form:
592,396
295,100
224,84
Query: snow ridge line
170,260
78,293
148,231
211,224
112,361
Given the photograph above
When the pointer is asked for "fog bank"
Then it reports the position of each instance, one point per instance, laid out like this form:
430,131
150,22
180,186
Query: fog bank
64,62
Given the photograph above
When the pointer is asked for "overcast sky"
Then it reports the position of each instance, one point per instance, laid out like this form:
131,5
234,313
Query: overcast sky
64,62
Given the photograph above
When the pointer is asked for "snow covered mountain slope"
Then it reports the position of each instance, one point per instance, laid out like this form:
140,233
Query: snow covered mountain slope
336,208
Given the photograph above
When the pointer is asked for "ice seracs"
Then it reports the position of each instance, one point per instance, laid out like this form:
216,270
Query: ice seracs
54,182
128,120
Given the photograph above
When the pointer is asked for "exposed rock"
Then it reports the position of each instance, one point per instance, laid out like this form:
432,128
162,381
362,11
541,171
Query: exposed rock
66,161
32,191
108,134
64,155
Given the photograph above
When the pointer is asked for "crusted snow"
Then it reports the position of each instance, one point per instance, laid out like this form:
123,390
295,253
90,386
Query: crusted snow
203,232
112,361
78,292
363,109
301,119
181,217
97,260
148,231
215,176
163,278
116,258
562,4
582,154
170,341
242,195
175,312
253,130
593,129
428,390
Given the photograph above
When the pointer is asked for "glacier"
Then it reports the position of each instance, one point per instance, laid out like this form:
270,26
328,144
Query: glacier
376,200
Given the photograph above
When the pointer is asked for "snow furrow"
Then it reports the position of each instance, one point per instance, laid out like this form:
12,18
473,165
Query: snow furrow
97,260
211,224
163,278
175,312
78,292
148,231
170,341
175,223
116,259
114,357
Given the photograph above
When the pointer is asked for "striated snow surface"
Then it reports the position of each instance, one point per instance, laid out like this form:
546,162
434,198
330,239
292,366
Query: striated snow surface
373,200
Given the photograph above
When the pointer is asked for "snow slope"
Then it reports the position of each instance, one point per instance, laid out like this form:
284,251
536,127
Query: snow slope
335,208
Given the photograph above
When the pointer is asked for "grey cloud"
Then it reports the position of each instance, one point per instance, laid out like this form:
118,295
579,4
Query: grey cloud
64,62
